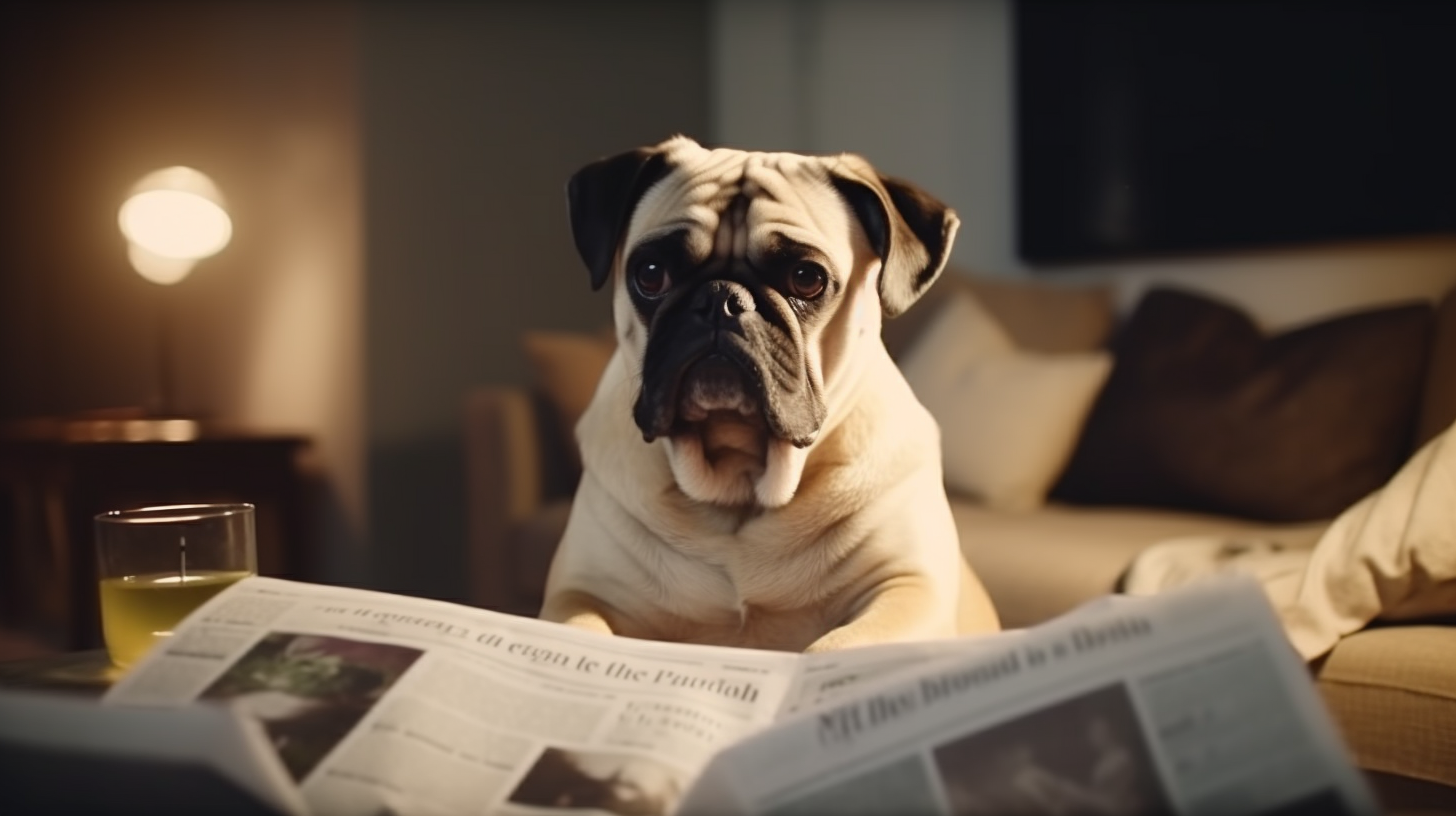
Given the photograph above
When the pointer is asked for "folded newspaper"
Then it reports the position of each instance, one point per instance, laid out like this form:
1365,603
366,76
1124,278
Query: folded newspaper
359,702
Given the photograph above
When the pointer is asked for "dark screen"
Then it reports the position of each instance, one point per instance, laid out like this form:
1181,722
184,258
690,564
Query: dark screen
1160,128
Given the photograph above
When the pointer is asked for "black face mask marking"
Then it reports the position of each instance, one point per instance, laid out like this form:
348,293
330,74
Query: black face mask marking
727,332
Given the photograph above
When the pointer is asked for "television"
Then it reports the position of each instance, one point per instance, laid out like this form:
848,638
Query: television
1170,128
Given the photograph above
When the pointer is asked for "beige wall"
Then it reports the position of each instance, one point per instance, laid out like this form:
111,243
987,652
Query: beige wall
396,174
262,97
475,116
923,88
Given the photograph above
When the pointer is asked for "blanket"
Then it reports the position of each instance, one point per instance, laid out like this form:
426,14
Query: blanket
1391,557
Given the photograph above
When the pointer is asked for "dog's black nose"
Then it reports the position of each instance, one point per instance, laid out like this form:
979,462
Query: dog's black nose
722,300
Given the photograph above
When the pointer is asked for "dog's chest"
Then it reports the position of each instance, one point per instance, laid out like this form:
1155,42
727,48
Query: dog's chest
759,569
734,603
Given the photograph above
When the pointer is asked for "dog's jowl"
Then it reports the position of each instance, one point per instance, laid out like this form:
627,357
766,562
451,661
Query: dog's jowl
756,470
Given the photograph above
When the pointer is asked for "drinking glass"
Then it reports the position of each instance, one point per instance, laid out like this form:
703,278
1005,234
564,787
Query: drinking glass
157,564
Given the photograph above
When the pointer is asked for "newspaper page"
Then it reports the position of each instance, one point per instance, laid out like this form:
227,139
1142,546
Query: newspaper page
376,702
824,678
384,703
1190,702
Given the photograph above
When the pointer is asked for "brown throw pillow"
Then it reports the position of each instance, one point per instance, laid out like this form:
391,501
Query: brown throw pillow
1438,405
1203,412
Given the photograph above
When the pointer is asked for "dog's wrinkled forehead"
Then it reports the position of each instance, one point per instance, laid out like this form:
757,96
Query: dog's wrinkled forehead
698,201
731,204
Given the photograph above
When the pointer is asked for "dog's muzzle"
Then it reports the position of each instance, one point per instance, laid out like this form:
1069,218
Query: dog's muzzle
713,384
714,354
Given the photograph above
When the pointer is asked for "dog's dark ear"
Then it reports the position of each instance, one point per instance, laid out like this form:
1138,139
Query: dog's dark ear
601,197
910,230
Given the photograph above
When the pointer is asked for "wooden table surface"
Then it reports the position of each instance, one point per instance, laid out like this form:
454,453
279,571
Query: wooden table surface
88,673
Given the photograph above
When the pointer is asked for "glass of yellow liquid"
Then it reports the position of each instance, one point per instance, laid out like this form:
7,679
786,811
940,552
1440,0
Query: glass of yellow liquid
158,564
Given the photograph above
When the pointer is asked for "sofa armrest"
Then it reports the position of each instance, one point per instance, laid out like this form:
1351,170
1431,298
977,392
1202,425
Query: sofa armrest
503,476
1392,691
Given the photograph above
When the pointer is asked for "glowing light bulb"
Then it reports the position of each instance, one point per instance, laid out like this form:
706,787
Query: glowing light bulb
173,218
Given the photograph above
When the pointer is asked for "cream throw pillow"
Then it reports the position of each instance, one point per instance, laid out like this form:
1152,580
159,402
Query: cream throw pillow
1391,556
1009,419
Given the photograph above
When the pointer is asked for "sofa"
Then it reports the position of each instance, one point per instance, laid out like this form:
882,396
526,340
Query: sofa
1075,440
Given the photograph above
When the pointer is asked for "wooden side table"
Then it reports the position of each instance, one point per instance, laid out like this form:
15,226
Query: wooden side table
52,486
88,673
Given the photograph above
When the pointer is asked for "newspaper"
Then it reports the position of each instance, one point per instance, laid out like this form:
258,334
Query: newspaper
376,703
373,701
1190,703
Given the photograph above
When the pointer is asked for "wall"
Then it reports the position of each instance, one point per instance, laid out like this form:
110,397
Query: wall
924,89
262,97
475,116
396,176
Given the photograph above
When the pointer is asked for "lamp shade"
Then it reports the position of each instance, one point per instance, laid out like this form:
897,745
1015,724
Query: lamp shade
172,218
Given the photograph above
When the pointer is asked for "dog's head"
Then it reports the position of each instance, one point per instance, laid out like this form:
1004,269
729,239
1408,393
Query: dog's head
745,284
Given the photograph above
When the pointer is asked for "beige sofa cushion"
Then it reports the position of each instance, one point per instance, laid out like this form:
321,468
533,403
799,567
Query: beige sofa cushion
1045,317
1039,565
1392,690
1038,316
566,366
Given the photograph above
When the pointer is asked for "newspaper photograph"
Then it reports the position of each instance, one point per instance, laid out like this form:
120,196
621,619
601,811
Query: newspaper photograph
1083,755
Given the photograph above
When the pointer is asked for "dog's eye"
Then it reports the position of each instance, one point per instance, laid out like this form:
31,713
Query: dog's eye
651,279
807,280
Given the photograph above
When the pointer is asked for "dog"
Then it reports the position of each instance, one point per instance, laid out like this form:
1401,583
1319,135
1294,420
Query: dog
756,471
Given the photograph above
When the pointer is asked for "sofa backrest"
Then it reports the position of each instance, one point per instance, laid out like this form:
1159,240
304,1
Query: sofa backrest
1038,316
1377,426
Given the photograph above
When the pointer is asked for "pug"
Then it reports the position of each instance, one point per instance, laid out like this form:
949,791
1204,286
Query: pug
756,471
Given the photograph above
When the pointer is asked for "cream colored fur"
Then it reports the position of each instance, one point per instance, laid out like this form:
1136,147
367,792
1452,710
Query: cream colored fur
752,541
